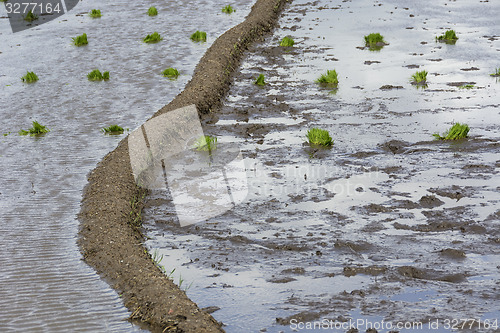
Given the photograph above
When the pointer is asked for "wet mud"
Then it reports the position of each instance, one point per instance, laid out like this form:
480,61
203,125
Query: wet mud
388,224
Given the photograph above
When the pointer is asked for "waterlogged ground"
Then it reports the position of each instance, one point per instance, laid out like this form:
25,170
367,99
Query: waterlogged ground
388,224
44,285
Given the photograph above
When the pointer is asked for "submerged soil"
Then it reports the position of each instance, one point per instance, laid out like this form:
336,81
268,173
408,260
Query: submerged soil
109,240
388,224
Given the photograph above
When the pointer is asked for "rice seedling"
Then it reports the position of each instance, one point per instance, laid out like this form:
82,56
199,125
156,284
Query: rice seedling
419,78
206,143
260,80
30,17
199,36
152,11
466,86
153,38
95,13
329,79
80,40
287,42
113,129
3,0
96,75
37,129
171,73
30,77
497,72
375,41
449,37
456,132
319,137
227,9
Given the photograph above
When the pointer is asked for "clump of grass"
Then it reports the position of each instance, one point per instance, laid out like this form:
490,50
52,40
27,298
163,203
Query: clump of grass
3,0
152,11
456,132
199,36
37,129
95,13
260,80
30,77
80,40
287,42
228,9
497,72
419,78
30,17
319,137
206,143
449,36
466,86
153,38
96,75
113,129
375,41
329,79
171,73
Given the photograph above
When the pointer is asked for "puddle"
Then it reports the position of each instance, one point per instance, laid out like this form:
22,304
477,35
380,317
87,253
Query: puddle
44,284
365,229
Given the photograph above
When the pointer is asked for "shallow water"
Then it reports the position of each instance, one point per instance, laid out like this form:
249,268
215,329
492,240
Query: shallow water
388,223
44,285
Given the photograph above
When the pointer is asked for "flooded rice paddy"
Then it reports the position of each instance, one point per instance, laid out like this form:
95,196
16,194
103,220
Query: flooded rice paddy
388,224
44,285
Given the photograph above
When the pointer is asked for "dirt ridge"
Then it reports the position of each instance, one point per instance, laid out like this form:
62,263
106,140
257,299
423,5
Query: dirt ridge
111,200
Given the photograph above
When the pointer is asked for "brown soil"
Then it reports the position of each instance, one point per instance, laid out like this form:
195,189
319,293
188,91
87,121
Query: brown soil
110,242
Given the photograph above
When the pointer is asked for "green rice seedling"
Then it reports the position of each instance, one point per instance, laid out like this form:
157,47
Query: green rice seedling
3,0
152,11
30,17
228,9
199,36
96,75
30,77
80,40
171,73
319,137
153,38
287,42
466,86
260,80
375,41
497,72
419,78
449,37
113,129
456,132
329,79
206,143
37,129
95,13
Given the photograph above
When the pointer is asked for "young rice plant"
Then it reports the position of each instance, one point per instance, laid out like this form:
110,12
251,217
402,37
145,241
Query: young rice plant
30,77
153,38
96,75
287,42
449,36
95,13
260,80
497,72
171,73
329,79
113,129
206,143
456,132
80,40
37,129
319,137
152,11
199,36
375,41
30,17
227,9
419,78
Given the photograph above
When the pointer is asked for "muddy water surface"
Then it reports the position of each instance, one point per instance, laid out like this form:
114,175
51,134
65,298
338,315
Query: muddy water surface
388,224
44,285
